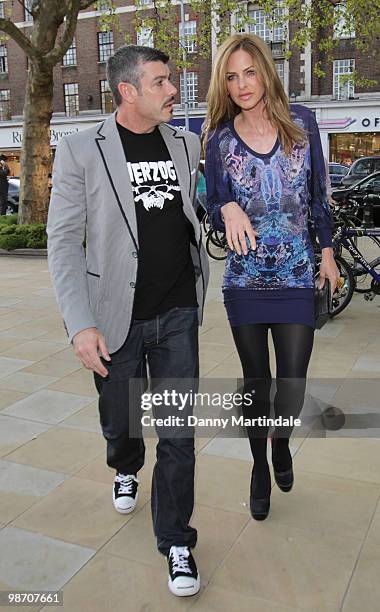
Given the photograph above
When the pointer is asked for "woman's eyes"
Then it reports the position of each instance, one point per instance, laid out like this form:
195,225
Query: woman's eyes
249,73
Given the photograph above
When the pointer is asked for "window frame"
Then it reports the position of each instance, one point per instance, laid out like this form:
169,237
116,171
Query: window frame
103,93
338,89
8,101
191,83
70,96
142,36
189,38
4,59
340,29
73,47
105,49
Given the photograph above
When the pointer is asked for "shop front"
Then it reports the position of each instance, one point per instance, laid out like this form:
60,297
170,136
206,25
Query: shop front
11,134
349,128
345,148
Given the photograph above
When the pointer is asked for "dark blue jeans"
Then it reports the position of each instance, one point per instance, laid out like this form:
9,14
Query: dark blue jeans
168,344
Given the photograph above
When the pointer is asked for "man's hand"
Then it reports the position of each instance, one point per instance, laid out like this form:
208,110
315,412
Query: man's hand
238,227
88,343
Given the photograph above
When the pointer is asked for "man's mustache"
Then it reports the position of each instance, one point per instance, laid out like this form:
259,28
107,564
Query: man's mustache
169,101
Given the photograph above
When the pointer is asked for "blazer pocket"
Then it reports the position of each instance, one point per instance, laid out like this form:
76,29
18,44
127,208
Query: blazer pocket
93,281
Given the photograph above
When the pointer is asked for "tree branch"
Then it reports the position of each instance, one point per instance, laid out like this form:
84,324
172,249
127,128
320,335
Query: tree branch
19,37
62,45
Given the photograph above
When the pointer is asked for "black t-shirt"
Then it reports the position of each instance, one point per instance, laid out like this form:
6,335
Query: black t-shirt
165,276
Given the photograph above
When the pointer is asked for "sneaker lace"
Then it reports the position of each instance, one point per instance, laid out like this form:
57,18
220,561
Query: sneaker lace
126,483
179,557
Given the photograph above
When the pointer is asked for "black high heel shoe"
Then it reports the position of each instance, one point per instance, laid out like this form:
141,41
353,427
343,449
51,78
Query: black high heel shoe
284,479
259,507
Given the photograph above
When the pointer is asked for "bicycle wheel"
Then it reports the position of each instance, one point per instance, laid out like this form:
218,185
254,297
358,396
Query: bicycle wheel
216,247
344,293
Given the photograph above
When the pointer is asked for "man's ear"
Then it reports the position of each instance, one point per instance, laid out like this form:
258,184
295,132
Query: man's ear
128,92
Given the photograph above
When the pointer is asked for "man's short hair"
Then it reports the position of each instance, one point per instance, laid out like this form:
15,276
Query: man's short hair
124,66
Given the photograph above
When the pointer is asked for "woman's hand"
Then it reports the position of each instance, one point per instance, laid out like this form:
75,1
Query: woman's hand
238,226
328,269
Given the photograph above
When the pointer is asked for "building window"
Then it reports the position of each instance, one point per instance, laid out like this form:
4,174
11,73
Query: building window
343,89
3,59
261,25
192,89
280,67
70,58
5,104
145,37
188,33
71,99
2,11
341,27
106,97
28,7
278,28
105,45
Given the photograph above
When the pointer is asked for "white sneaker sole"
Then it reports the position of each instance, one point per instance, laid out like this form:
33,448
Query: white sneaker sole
127,510
184,591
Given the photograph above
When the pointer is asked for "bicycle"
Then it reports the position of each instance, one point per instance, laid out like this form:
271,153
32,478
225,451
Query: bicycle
216,242
344,236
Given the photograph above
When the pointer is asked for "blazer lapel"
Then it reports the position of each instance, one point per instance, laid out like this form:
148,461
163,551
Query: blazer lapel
179,153
111,150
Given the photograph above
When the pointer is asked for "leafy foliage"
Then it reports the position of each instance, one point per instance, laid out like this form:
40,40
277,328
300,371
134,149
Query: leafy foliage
13,236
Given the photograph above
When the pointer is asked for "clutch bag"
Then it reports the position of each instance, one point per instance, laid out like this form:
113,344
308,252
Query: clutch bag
322,302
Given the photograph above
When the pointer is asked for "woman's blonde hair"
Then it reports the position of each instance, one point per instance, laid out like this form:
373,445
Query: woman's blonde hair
221,108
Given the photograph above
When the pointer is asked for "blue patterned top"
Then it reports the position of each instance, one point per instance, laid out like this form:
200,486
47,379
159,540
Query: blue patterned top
279,193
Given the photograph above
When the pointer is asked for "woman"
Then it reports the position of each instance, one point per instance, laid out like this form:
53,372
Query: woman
265,176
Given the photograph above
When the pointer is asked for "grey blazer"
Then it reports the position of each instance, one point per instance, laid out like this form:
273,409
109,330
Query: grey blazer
92,200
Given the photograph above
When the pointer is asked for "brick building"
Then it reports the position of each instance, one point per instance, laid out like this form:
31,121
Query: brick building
81,93
349,118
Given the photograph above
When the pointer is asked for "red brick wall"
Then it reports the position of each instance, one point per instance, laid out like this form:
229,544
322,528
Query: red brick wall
366,65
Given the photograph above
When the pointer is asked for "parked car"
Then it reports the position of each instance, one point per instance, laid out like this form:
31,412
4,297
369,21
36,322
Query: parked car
369,186
13,195
360,169
336,173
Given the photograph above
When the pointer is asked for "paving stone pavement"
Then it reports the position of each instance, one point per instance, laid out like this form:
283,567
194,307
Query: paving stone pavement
318,550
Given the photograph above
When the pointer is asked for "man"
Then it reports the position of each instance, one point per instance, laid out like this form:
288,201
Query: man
135,297
4,171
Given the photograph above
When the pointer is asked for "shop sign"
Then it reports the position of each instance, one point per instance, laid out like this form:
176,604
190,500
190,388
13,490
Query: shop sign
368,122
12,137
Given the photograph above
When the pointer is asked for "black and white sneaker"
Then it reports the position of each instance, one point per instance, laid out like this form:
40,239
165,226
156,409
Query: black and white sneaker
125,492
184,578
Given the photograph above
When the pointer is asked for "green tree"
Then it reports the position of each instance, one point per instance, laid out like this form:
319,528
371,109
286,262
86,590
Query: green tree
45,44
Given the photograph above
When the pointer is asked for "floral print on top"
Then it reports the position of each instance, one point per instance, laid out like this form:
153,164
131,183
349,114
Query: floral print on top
279,193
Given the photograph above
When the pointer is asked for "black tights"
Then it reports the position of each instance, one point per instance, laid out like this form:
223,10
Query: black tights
293,344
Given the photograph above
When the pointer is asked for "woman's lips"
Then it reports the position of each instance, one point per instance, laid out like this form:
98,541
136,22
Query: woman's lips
245,96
